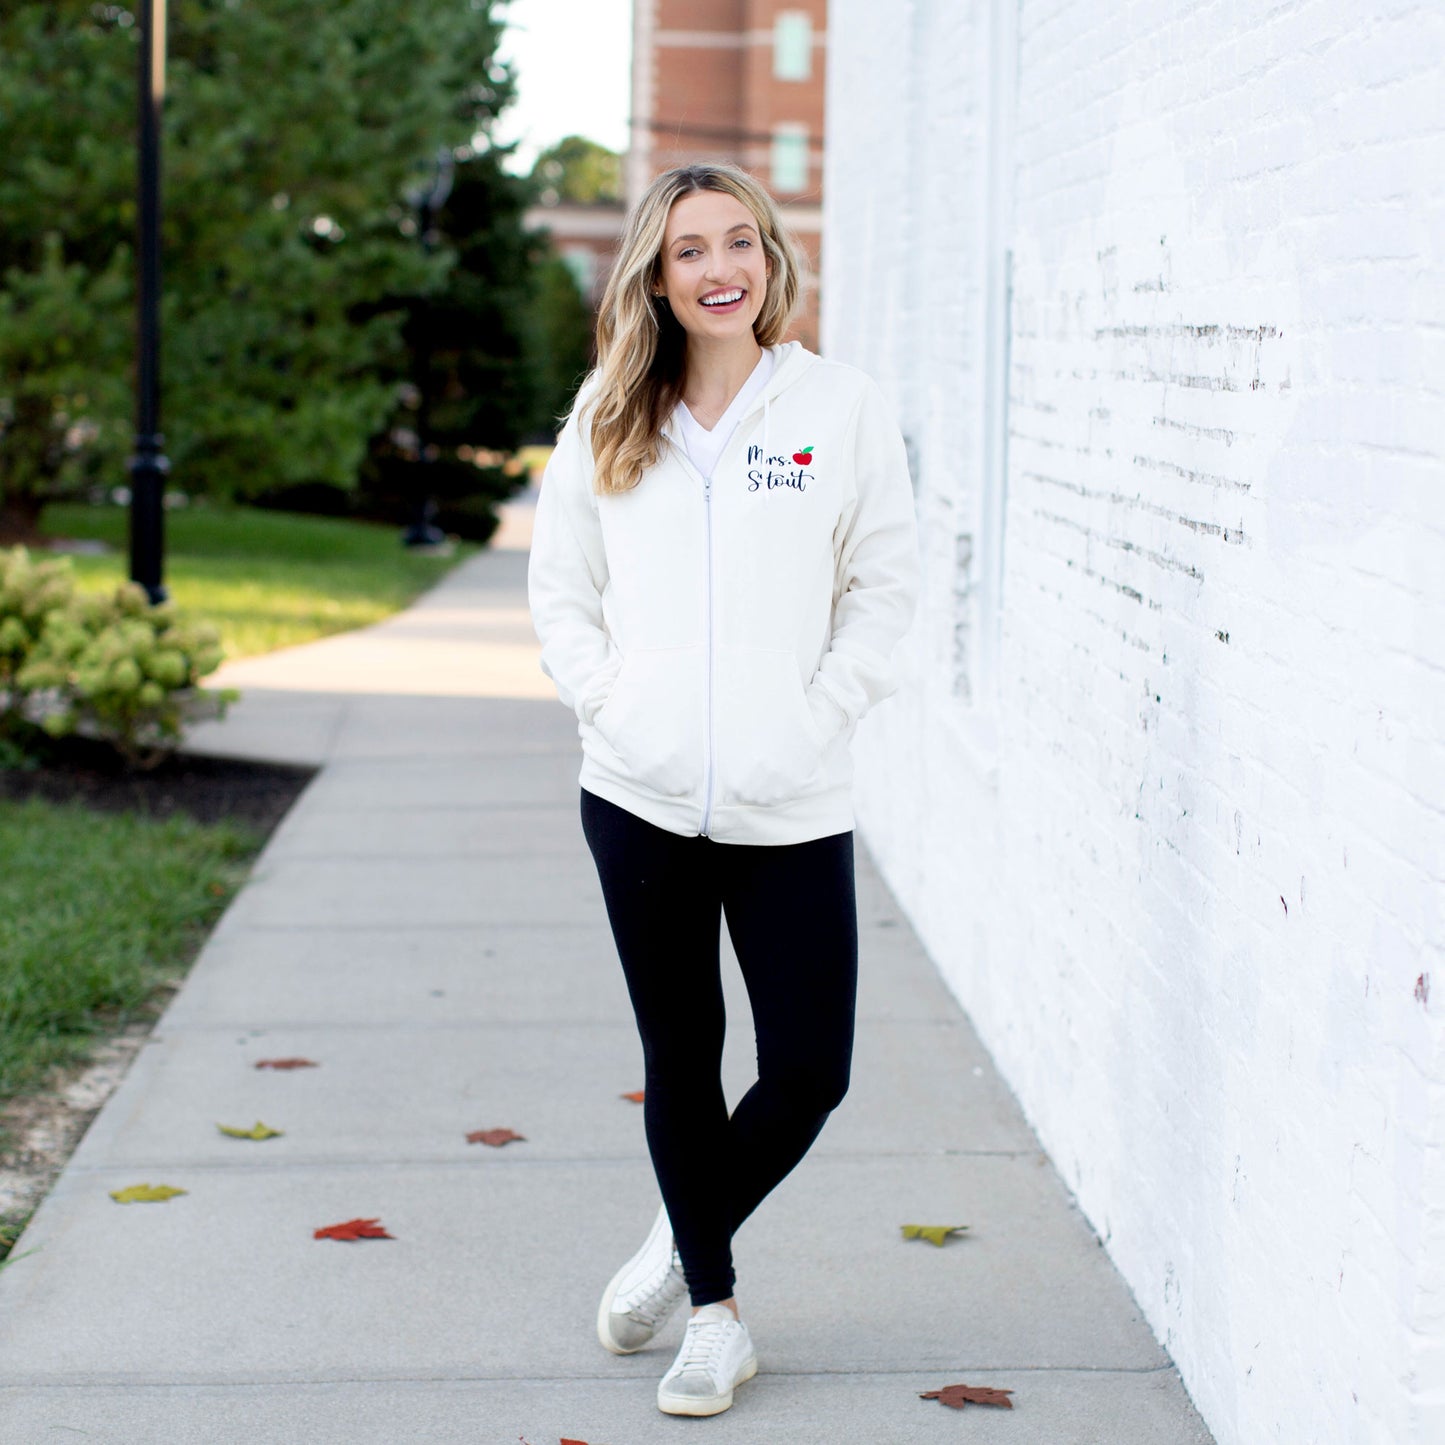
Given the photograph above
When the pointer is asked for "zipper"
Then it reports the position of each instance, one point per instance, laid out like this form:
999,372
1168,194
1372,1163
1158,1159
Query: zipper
709,766
709,761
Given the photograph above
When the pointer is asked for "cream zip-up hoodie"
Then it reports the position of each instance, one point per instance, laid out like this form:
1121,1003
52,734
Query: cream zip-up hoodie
719,640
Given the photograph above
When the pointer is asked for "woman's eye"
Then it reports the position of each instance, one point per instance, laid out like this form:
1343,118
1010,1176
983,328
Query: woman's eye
742,241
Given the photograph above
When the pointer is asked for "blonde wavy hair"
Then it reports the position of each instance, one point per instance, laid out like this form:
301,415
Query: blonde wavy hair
641,348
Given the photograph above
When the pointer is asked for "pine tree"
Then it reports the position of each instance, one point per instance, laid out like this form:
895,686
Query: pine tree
292,132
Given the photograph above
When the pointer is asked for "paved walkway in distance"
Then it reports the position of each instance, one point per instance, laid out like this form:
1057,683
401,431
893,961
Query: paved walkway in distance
426,925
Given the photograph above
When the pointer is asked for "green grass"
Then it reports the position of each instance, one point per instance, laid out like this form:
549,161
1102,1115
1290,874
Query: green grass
100,915
99,911
266,579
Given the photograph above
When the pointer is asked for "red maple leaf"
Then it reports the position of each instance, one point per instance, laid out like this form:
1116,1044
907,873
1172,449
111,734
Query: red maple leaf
354,1229
495,1137
286,1064
960,1395
636,1098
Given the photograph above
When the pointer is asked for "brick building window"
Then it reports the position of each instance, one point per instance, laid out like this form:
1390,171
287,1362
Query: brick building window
792,45
790,157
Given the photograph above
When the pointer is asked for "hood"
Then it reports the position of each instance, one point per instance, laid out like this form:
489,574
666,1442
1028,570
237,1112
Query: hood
791,359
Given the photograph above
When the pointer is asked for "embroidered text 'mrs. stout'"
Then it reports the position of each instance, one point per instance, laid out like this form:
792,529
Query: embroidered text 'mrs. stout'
766,473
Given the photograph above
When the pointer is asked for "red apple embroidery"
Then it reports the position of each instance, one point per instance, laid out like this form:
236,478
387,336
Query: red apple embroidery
804,457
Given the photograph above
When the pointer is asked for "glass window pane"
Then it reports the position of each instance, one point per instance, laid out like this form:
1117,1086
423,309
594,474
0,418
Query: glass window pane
792,45
790,157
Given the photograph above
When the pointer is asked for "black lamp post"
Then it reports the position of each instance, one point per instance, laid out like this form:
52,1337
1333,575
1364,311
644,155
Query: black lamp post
148,466
423,532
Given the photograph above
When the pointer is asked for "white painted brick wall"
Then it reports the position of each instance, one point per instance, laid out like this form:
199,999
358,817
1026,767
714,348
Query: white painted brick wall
1181,851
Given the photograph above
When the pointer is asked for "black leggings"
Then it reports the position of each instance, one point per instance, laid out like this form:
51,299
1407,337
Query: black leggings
792,918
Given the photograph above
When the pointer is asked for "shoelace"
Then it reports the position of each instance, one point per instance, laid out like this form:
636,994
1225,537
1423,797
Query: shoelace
660,1296
702,1345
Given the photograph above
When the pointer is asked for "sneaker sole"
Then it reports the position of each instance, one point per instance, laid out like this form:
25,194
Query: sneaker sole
604,1313
691,1405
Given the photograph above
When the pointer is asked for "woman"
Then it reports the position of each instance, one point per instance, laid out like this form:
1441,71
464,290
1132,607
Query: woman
722,565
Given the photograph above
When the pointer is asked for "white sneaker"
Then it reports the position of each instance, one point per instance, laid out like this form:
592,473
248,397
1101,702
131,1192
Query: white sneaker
715,1358
643,1293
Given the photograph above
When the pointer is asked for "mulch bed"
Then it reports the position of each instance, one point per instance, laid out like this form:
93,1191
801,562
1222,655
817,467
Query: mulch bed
208,789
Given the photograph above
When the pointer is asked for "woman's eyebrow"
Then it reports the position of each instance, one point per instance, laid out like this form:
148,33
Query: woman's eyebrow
691,236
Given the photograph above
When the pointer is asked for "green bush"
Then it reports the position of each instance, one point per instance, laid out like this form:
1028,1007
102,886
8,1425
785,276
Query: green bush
109,665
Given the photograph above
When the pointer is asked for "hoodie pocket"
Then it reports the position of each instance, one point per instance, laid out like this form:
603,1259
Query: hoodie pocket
654,719
768,748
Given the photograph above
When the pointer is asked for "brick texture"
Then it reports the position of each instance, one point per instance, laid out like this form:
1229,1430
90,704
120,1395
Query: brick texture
1165,792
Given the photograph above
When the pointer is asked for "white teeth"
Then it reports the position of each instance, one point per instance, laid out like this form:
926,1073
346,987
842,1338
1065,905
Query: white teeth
725,299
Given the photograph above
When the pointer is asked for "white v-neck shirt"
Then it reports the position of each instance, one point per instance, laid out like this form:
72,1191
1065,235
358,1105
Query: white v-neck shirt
704,447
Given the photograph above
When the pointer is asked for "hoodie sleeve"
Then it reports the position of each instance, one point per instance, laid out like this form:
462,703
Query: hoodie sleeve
566,576
876,580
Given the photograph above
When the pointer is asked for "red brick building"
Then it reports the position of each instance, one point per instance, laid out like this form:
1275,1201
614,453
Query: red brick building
585,237
742,81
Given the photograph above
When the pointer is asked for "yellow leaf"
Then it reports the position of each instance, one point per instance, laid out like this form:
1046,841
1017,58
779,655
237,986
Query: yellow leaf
261,1131
145,1194
933,1233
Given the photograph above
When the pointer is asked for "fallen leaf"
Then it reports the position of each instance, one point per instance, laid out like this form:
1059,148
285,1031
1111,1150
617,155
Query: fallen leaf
145,1194
636,1098
354,1229
261,1131
957,1396
933,1233
286,1064
495,1137
565,1441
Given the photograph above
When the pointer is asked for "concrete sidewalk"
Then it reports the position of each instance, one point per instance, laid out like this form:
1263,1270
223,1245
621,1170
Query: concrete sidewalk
426,925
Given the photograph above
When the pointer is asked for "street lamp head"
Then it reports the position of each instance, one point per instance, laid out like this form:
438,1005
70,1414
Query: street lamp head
432,195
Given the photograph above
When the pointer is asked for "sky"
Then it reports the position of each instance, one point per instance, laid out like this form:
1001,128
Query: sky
572,60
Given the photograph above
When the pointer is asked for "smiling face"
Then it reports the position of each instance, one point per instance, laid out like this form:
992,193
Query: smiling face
714,270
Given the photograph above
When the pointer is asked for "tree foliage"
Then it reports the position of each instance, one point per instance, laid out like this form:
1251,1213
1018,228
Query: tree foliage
512,334
575,171
564,324
292,132
580,171
483,373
